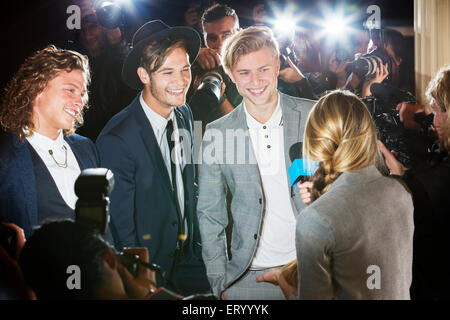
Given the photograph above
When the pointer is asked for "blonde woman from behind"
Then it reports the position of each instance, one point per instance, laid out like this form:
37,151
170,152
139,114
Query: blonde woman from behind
354,241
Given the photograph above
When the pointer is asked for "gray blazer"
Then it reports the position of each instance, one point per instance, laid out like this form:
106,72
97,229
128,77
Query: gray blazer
229,162
363,220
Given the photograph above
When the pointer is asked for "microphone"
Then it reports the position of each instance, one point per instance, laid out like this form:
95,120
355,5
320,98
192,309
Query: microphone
301,169
295,151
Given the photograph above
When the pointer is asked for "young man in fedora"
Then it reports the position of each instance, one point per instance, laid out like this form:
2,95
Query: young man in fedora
148,146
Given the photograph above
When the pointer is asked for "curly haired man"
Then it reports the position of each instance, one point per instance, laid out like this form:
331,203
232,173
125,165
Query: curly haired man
40,156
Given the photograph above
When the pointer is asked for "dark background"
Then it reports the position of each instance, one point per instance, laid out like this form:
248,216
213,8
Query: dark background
29,25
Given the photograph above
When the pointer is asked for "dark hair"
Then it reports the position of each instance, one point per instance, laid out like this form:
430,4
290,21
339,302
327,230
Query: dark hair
397,41
54,247
217,12
155,53
34,74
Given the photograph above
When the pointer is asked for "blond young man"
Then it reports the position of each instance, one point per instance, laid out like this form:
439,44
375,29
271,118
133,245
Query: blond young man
269,126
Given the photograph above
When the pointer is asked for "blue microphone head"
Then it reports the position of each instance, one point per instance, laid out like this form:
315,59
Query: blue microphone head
301,168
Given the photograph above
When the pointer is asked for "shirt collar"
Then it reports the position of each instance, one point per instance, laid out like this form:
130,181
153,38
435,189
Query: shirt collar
273,122
156,120
45,142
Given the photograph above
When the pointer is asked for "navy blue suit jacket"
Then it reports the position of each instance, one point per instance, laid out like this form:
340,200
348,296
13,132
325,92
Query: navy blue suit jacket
18,199
143,212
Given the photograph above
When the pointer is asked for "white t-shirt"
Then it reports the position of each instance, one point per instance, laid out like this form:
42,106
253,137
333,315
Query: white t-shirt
277,242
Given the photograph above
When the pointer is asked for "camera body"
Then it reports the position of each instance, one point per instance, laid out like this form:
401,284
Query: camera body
109,14
413,146
285,52
93,187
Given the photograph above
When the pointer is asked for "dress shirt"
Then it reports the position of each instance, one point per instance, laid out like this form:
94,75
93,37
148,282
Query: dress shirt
159,124
277,242
64,177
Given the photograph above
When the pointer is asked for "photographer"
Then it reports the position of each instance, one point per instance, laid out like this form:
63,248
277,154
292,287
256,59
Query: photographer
56,245
106,48
392,64
429,184
218,23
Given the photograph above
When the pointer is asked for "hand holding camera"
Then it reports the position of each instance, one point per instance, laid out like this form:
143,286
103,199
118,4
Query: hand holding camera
381,73
144,282
291,74
208,59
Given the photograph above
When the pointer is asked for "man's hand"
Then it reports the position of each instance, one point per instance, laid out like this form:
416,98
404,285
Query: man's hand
139,287
407,111
208,59
291,74
305,191
381,73
20,239
272,276
275,276
395,166
10,268
222,296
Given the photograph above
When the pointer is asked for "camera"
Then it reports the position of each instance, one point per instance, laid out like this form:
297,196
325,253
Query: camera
205,101
109,14
92,188
366,65
211,85
414,147
285,52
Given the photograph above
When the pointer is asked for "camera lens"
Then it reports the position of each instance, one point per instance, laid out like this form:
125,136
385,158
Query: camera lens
211,85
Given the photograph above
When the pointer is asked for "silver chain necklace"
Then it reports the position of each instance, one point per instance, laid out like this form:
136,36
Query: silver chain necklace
61,165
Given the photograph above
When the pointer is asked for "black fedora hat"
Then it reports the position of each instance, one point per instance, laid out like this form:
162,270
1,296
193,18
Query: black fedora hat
150,31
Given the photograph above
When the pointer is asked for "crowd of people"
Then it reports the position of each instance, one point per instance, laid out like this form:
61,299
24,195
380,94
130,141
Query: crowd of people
227,222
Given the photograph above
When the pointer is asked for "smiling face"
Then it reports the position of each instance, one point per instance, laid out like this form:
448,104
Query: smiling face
59,104
255,75
215,32
166,87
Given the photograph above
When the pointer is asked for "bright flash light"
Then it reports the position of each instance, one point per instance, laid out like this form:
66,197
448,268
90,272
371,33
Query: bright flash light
336,26
284,25
123,2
